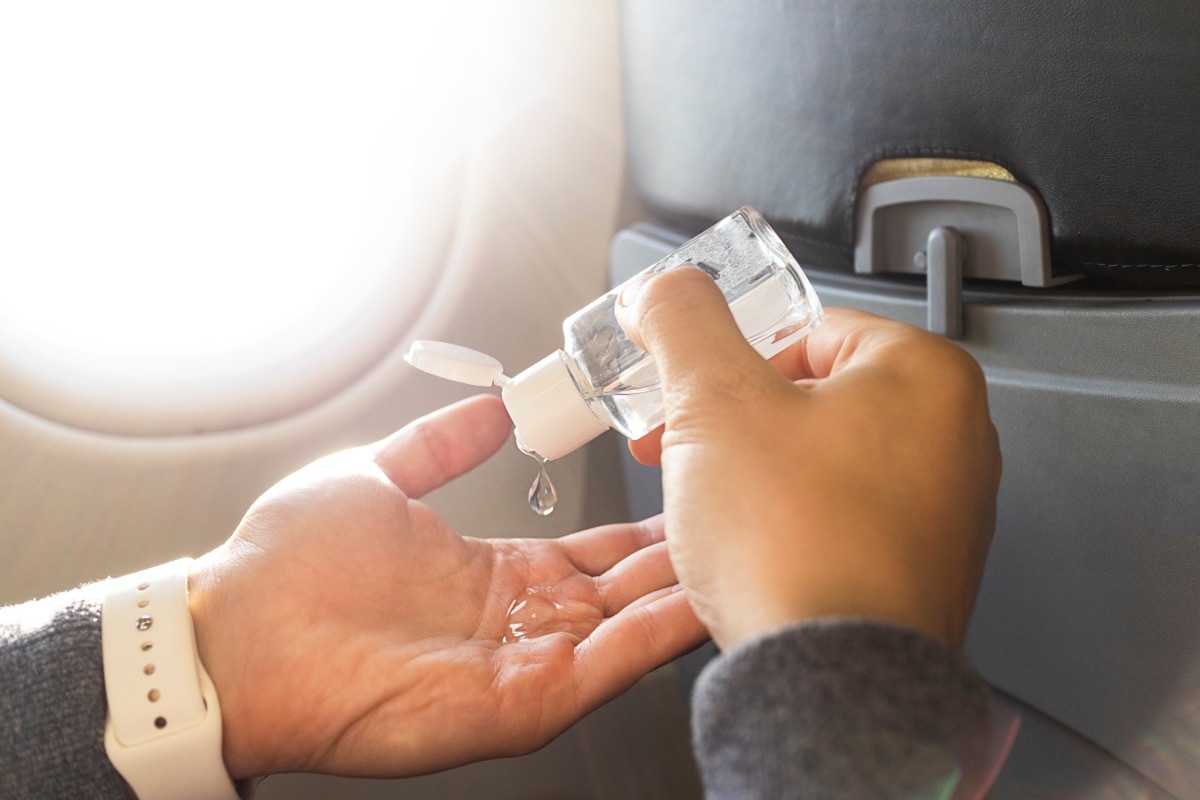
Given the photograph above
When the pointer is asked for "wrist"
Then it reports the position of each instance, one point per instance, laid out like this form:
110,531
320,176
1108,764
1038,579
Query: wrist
163,726
214,640
772,601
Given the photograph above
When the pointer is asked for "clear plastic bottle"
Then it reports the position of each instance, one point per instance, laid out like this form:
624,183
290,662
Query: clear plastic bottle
601,380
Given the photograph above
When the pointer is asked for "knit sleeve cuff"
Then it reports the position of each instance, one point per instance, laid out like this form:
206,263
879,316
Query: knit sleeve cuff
838,708
52,700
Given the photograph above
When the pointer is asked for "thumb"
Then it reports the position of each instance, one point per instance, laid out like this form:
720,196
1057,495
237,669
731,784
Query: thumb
681,318
437,448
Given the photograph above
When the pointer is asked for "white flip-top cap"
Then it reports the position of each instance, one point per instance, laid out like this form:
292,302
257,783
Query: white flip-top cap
456,363
551,416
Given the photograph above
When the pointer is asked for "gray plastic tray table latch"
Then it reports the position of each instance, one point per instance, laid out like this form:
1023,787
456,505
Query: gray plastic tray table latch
949,228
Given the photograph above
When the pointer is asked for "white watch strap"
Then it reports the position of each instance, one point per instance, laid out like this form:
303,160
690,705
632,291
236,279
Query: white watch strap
163,732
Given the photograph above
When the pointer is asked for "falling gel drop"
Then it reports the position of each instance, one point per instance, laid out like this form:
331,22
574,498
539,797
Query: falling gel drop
542,494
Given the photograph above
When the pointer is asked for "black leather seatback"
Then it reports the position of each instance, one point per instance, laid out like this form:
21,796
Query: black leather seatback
782,104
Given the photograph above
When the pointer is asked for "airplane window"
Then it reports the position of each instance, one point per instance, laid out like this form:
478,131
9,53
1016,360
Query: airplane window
196,198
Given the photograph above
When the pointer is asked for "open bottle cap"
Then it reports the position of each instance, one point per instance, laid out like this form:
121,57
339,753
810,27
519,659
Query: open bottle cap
551,417
456,363
545,404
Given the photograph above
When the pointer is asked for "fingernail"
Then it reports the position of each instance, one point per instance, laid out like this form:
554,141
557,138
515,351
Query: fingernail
631,289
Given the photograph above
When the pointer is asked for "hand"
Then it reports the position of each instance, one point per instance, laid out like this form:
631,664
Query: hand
349,630
857,477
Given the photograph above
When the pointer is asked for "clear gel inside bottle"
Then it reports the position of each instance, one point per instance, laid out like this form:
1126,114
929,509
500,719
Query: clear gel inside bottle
770,298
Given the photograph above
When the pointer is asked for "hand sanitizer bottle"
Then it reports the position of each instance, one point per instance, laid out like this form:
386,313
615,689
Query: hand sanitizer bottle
601,380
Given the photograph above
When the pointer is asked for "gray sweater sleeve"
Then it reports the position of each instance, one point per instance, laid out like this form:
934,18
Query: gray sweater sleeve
52,703
833,709
840,709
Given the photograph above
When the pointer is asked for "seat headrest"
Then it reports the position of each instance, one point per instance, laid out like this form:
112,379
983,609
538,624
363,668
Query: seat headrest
1094,104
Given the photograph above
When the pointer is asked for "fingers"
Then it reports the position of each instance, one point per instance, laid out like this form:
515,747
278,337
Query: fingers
628,561
641,637
646,571
682,319
439,447
596,551
849,337
814,355
648,449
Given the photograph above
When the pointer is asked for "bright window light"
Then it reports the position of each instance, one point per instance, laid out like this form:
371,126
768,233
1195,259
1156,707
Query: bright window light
191,191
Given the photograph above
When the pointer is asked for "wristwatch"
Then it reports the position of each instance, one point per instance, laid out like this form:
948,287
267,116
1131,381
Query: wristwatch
163,731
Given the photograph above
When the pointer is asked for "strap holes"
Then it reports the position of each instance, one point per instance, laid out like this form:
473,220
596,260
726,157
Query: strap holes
146,646
143,586
148,669
143,602
153,695
160,722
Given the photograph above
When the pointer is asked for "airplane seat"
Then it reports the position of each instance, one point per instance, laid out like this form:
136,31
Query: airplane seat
1036,164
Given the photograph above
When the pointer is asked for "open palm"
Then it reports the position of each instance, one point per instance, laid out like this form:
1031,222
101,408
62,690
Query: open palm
349,630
